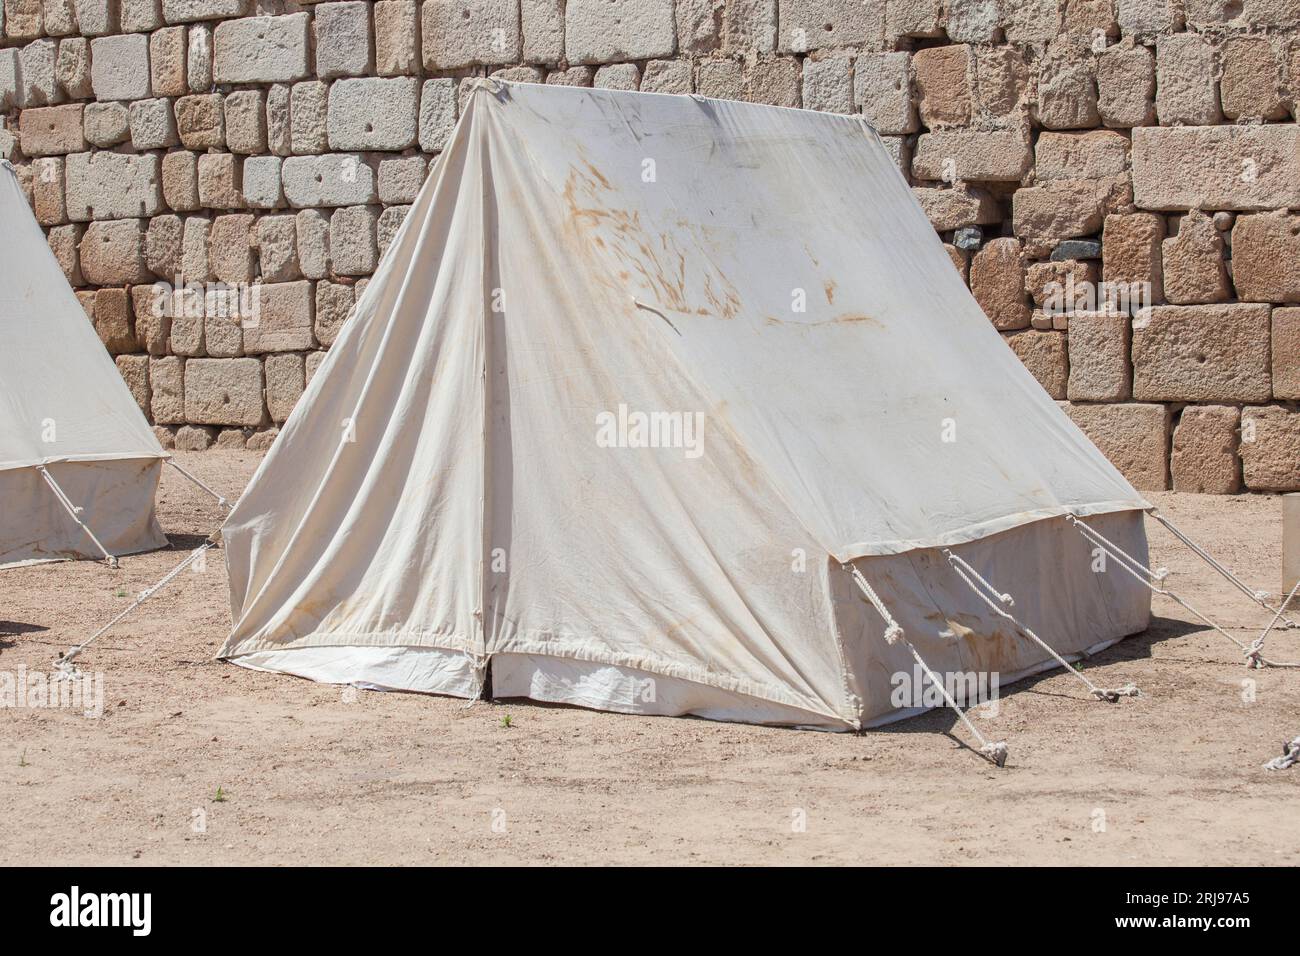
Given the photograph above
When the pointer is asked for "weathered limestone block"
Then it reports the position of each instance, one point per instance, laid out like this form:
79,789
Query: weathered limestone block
1265,253
71,69
997,280
437,114
1186,91
22,19
97,17
119,67
224,391
277,249
609,31
828,84
460,33
353,247
134,370
333,179
1064,208
1134,437
52,130
1270,448
167,62
308,107
1062,285
220,181
167,390
285,381
344,43
313,228
1251,87
1286,353
140,16
314,360
1149,17
373,113
180,180
400,179
245,121
1204,458
1131,254
230,248
397,37
1193,264
262,49
1067,87
38,74
64,242
152,124
106,124
614,76
972,155
720,79
1031,21
882,90
190,11
973,21
1093,155
105,185
198,58
542,22
807,25
162,247
279,131
201,121
1126,86
1202,353
1100,370
262,188
943,84
334,304
194,250
949,209
285,315
663,76
390,223
112,320
1044,354
112,253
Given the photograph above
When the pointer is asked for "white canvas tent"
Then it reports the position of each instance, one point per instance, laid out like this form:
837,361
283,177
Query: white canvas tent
467,482
71,435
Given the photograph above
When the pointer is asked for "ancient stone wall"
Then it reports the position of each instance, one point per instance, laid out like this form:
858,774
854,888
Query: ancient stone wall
1112,177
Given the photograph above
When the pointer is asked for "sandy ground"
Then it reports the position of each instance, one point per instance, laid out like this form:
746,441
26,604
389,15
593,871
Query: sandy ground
314,774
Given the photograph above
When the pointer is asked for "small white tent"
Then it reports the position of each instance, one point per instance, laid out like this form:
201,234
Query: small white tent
638,375
79,464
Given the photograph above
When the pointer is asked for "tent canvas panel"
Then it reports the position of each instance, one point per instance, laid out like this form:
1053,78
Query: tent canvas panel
443,489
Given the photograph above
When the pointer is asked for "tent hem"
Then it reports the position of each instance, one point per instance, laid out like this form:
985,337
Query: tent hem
983,529
105,456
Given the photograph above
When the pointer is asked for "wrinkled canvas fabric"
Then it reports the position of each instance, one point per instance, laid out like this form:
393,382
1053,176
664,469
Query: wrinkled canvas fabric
64,406
637,374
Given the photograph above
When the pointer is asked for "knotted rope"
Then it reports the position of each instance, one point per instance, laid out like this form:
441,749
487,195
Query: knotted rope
1144,574
995,753
1259,597
75,512
967,573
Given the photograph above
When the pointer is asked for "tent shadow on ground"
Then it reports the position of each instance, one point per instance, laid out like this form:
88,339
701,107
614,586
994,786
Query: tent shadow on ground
11,629
942,720
186,542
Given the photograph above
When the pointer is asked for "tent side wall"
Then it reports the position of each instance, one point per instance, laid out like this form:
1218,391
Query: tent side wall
117,496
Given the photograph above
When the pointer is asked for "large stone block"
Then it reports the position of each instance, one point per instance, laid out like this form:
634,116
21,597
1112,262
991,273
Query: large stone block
1126,86
37,74
1148,18
972,155
828,84
1270,448
1134,437
344,43
1204,459
230,248
112,320
134,370
397,38
373,114
949,209
1092,155
1067,87
191,11
1265,254
245,118
119,67
1193,264
163,247
262,189
1100,370
943,84
277,249
140,16
167,62
882,91
997,280
167,390
285,381
1202,353
180,180
224,391
285,313
1031,21
1186,91
542,24
262,49
52,130
10,81
1064,208
353,249
221,181
198,58
1217,167
22,19
400,179
105,185
308,108
335,179
1131,254
152,124
1251,86
113,253
1286,354
807,25
437,114
97,17
1044,354
72,68
334,303
201,121
460,33
313,228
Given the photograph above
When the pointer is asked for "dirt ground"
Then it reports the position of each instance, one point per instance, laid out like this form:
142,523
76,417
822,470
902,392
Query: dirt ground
198,762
